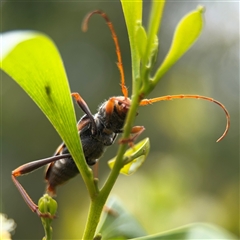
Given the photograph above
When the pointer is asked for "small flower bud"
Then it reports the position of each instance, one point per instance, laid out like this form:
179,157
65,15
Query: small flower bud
47,205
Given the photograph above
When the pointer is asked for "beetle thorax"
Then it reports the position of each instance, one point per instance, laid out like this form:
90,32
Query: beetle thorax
115,120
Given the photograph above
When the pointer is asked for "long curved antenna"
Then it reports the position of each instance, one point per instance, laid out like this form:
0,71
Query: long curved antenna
115,39
181,96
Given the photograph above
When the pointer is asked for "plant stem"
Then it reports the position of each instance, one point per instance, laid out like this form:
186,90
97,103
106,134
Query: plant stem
98,202
94,214
49,234
101,198
122,149
48,231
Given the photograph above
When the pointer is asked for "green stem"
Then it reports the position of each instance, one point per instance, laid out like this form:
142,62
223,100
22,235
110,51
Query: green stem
94,214
98,202
48,234
47,229
122,149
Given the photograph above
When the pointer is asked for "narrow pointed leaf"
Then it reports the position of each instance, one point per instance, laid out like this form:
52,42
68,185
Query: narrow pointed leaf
149,56
186,33
153,27
133,16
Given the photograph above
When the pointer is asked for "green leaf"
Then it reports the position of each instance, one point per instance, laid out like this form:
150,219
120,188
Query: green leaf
153,27
133,16
117,223
154,52
152,43
34,62
190,232
141,35
133,158
186,33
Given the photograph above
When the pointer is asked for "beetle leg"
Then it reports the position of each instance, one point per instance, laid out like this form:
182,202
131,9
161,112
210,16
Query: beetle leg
83,105
27,168
136,131
28,200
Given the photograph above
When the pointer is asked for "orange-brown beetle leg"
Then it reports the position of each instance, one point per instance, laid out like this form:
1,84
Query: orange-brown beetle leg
136,131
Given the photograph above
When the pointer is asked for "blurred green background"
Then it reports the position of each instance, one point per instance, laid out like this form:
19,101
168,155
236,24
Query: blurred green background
188,177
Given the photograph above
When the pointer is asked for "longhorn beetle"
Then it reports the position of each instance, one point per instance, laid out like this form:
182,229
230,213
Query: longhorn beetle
96,131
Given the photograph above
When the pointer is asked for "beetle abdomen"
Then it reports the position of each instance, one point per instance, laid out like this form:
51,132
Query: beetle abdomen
59,172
